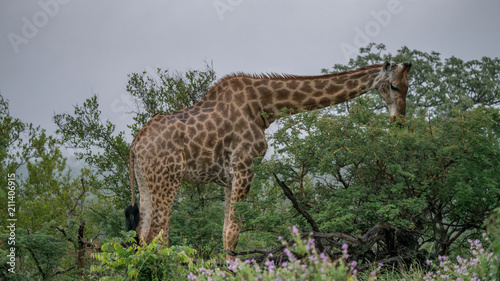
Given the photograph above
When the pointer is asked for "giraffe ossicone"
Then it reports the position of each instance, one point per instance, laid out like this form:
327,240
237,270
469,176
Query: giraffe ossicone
217,139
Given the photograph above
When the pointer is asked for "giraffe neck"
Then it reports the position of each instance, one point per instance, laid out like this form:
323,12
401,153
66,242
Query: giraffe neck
269,94
314,92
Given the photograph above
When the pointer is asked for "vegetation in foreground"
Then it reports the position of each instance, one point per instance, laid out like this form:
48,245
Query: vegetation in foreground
300,260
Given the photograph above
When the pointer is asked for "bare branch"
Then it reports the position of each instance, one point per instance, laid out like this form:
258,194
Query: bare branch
63,231
289,194
63,271
70,211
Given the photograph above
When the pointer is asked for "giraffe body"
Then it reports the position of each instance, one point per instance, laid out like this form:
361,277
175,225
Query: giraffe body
217,139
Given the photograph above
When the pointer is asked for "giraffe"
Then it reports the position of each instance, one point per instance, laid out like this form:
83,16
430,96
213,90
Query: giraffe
217,139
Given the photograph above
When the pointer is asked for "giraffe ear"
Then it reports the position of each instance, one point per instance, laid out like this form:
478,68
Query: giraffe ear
387,66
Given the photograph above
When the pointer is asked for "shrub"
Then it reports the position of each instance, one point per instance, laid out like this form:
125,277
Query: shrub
149,262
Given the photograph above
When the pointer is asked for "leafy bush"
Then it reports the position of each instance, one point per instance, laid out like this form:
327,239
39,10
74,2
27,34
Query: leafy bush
147,262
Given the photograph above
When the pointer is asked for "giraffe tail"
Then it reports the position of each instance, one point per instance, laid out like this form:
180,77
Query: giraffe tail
132,211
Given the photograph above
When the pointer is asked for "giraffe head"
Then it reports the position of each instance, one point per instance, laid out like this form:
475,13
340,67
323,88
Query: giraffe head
392,84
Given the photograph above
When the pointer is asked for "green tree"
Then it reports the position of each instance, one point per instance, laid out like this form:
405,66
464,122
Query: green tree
100,147
166,91
45,201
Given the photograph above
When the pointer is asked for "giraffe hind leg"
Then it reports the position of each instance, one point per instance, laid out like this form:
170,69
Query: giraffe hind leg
163,187
146,205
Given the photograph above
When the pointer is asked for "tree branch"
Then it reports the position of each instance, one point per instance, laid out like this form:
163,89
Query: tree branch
34,256
70,211
63,232
81,246
289,194
63,271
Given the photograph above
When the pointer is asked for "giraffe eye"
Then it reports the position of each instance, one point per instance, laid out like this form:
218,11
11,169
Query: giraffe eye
394,88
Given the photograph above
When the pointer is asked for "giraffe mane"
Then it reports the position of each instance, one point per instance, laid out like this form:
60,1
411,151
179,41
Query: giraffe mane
278,76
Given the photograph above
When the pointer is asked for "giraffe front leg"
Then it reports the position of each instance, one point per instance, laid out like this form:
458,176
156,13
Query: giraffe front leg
239,191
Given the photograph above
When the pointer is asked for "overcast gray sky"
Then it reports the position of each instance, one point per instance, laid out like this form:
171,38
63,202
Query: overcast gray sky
56,53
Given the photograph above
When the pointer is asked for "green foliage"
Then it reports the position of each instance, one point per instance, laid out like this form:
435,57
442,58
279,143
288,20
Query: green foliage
41,255
166,91
96,143
198,218
437,176
493,227
45,195
149,262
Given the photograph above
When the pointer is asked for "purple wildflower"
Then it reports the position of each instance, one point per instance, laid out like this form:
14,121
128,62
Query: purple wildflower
232,265
270,266
310,244
291,257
